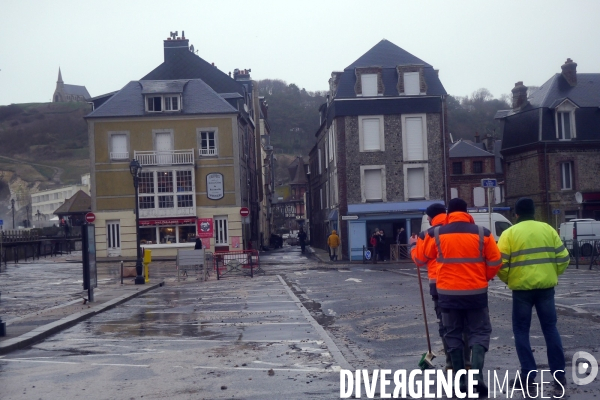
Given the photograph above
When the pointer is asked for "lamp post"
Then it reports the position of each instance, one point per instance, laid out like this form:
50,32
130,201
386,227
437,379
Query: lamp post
135,168
38,214
12,203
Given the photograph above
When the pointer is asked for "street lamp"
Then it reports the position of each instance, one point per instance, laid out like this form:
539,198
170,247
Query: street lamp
38,214
12,202
136,169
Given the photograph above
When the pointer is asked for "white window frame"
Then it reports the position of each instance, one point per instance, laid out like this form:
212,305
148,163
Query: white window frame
331,143
405,154
164,103
363,168
361,133
320,162
326,148
321,197
207,152
366,81
218,222
563,185
568,108
118,156
412,74
425,167
327,195
175,211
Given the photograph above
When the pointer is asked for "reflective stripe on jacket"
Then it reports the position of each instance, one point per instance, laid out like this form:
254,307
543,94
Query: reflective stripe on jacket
467,257
418,255
533,256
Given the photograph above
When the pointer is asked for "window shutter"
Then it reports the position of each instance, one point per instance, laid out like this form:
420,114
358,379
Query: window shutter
163,142
119,143
373,187
416,183
479,197
497,195
453,193
411,83
368,83
414,139
371,134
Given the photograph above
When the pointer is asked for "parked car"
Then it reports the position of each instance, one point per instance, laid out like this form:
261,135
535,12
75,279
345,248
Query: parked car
588,234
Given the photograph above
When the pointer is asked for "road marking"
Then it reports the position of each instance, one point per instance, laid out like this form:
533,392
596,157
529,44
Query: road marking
266,369
354,280
88,340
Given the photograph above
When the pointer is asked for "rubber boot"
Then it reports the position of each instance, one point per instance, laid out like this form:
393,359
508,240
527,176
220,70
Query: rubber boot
477,359
458,363
448,366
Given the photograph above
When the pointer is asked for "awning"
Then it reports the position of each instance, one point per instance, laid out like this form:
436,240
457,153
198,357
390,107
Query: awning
167,221
384,207
333,215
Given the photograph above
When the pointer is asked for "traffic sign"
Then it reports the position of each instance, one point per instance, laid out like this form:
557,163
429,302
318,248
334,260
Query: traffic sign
349,217
489,183
244,211
556,211
1,222
90,217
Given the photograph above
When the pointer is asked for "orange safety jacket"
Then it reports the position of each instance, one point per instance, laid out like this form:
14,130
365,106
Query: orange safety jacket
418,256
467,257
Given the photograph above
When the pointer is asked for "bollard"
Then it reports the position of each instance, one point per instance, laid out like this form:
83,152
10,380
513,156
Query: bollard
121,272
147,260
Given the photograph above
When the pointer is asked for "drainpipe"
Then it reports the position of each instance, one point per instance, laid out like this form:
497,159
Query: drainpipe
446,188
546,179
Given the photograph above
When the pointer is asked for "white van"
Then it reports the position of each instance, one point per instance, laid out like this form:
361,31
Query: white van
499,222
587,229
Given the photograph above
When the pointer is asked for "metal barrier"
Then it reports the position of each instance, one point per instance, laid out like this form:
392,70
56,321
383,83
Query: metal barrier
242,262
369,254
583,249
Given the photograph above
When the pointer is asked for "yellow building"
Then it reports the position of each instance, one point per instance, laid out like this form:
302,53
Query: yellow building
195,147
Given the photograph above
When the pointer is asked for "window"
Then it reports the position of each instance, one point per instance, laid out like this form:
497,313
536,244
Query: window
331,143
146,202
411,84
208,143
368,82
184,181
564,126
565,120
321,198
566,174
370,131
320,165
501,226
165,182
118,146
457,168
373,185
163,103
146,183
477,167
185,200
414,138
416,183
171,192
221,233
326,150
172,234
453,193
165,202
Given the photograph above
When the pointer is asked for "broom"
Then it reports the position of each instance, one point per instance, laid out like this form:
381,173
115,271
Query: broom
426,361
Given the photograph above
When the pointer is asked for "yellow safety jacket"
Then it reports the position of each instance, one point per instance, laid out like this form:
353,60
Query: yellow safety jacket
533,256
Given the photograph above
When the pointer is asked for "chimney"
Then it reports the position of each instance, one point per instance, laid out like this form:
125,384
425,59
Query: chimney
476,137
489,143
569,72
519,95
241,75
174,44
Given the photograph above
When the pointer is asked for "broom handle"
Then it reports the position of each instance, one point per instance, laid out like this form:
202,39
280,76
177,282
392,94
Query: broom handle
423,304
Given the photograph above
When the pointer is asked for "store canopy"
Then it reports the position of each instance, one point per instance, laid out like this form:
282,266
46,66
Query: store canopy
384,207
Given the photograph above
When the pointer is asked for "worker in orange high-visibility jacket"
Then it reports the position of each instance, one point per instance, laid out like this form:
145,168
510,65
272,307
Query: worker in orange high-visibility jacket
467,257
436,215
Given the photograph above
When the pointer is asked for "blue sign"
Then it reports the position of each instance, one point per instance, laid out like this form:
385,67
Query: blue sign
556,212
489,183
368,254
1,222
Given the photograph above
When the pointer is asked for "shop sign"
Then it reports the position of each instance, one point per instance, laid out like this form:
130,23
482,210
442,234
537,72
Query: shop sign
214,186
204,227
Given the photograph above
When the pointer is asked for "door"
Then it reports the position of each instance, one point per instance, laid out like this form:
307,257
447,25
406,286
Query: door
113,238
357,239
164,148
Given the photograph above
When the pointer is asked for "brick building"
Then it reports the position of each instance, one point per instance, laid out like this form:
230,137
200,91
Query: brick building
551,146
380,155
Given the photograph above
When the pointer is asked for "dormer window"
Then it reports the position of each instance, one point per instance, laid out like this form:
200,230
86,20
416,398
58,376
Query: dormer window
369,84
163,103
565,121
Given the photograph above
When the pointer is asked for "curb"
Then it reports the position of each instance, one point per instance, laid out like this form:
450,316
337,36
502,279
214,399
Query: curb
47,330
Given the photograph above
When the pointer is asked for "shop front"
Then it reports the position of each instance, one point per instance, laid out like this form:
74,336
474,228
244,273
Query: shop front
386,217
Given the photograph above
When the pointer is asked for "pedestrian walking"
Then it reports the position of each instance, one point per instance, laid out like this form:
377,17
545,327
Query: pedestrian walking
467,257
333,241
302,239
373,242
198,245
381,245
533,257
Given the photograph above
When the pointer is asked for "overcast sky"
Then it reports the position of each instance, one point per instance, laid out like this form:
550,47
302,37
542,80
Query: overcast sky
475,44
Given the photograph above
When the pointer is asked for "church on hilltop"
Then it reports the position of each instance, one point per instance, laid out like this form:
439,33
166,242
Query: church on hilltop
65,93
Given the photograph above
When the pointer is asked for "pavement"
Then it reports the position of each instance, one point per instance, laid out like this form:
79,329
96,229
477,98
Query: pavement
42,297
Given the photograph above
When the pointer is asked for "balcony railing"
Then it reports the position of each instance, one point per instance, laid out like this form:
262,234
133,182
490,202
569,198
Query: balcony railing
119,155
207,152
170,157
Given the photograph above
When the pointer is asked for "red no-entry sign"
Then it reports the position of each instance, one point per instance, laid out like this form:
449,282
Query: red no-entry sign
244,212
90,217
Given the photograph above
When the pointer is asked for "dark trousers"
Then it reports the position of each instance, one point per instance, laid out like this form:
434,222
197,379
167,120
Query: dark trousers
476,320
442,331
523,303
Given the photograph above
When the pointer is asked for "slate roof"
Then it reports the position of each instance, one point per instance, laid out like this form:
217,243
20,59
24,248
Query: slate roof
387,55
180,63
198,98
79,203
465,149
556,89
76,90
296,171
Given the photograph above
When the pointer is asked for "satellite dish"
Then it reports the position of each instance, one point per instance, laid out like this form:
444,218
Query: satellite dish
578,197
